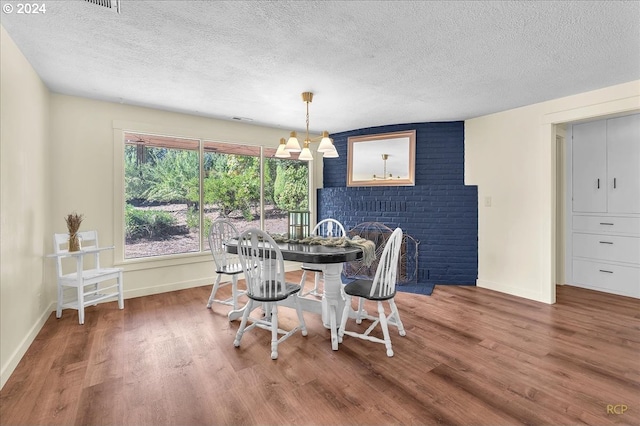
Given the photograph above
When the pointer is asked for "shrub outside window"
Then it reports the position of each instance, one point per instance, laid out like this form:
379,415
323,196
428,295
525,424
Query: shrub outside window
176,187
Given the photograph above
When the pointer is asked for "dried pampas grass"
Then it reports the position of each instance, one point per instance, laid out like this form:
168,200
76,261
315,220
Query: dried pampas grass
73,225
73,222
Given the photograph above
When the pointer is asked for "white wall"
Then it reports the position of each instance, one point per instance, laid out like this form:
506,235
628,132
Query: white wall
511,156
25,298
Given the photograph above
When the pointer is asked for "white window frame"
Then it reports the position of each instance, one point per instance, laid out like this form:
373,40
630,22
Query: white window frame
119,129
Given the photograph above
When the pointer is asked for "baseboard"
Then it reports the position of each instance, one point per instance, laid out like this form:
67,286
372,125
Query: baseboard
165,288
514,291
148,291
17,355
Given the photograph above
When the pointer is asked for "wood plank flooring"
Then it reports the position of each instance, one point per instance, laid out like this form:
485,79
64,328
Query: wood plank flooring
471,357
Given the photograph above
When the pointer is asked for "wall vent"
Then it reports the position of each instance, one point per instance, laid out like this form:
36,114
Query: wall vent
109,4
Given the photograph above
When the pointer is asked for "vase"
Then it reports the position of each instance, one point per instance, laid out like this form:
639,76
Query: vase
74,242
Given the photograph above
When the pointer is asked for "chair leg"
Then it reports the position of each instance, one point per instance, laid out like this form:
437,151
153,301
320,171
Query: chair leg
274,331
333,314
316,284
303,325
345,315
396,315
95,289
385,329
120,293
360,310
81,304
234,291
303,279
214,290
243,323
59,305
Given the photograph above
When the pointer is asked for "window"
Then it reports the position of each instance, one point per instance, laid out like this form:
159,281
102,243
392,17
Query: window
176,187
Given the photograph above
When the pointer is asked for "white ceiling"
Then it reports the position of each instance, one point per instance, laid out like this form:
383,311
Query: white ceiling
369,63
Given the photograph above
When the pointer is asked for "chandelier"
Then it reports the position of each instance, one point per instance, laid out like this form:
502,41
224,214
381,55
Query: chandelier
384,176
326,146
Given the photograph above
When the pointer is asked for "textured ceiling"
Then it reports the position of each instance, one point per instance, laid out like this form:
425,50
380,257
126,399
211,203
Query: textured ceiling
368,63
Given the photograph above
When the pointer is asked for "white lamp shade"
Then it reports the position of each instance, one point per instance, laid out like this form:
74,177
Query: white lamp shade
331,154
292,144
281,152
326,145
305,155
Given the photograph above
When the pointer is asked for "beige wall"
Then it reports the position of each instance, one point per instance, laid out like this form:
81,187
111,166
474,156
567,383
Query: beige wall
25,297
87,178
511,156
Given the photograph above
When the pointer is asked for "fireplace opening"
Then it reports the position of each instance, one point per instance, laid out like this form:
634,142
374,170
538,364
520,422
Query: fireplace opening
379,233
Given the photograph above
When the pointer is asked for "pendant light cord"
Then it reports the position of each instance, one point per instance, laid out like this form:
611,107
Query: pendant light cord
307,121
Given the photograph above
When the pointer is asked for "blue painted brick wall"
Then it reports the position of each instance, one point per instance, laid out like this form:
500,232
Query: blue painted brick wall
439,211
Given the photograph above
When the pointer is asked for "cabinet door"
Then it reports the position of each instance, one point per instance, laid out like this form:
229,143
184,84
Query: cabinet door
623,164
590,167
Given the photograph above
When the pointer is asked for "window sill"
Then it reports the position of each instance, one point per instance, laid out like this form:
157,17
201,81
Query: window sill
164,261
178,260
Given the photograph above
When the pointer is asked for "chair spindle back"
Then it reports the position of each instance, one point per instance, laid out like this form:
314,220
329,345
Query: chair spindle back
221,231
88,241
384,282
329,228
263,264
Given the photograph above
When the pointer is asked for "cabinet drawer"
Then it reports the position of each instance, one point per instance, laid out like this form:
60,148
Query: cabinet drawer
607,247
623,280
626,225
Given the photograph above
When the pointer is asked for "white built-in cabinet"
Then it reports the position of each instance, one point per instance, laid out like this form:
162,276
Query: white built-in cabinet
604,246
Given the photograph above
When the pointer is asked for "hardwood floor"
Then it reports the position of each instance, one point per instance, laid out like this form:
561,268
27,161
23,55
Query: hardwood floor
471,357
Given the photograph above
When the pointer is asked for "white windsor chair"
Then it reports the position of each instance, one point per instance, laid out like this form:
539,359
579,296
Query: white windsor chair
221,231
263,267
324,228
381,288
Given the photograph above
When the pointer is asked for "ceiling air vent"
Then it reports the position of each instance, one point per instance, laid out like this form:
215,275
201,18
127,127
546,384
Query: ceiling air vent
109,4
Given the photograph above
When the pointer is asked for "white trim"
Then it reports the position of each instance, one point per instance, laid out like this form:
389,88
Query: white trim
568,210
514,291
570,214
594,112
548,121
15,358
119,128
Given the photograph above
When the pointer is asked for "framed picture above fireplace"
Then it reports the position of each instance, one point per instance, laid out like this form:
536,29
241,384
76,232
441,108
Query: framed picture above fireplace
385,159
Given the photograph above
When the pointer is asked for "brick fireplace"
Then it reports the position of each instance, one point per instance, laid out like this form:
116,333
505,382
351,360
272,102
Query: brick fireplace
439,211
